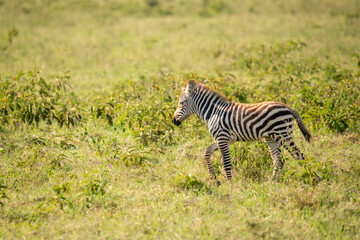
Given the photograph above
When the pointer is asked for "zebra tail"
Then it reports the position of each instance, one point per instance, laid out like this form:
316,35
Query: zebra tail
301,125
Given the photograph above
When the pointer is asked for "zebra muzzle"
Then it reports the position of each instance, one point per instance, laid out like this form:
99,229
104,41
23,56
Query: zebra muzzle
175,121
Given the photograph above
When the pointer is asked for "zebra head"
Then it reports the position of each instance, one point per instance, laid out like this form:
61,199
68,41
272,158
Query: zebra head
186,105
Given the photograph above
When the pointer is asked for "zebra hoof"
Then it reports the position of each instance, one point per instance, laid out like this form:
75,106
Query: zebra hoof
215,182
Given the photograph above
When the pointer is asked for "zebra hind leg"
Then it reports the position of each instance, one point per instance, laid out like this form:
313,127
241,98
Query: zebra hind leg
208,152
295,152
276,155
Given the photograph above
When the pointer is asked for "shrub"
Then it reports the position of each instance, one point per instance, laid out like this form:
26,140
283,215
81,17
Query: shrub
144,109
29,98
333,104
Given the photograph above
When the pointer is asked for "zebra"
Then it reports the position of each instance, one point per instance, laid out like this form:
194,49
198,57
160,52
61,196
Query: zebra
229,122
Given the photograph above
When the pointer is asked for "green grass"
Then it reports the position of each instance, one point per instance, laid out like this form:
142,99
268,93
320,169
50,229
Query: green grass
88,88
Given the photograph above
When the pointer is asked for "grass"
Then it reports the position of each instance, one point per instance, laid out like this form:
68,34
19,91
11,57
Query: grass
87,148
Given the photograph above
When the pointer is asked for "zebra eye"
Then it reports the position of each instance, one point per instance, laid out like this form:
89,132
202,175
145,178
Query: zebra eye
181,103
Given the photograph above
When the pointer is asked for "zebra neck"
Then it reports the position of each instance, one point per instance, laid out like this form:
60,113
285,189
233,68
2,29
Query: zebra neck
208,103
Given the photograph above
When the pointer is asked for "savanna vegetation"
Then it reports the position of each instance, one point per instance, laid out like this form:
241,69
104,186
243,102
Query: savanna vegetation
88,89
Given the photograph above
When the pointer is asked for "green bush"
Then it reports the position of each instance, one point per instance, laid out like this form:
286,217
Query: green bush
333,104
143,109
29,98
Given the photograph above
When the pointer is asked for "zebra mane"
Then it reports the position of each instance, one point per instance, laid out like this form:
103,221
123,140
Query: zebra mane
201,86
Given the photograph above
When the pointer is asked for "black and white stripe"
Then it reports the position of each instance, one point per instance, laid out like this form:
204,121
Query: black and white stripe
229,122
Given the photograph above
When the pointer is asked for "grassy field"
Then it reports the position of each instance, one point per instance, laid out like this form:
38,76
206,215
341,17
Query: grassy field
88,89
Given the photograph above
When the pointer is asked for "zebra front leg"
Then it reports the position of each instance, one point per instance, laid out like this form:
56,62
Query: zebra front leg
275,154
223,145
209,150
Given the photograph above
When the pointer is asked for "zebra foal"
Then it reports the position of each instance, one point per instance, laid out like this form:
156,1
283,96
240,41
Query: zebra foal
229,122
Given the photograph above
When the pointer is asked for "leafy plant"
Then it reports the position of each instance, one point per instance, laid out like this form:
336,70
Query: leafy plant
335,105
29,98
133,156
94,190
252,160
105,107
3,195
146,116
189,182
64,202
150,123
312,171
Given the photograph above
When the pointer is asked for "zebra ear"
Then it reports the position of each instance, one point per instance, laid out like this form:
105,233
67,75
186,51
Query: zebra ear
191,86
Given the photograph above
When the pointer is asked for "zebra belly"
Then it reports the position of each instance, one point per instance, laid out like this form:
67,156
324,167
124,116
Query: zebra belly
239,138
